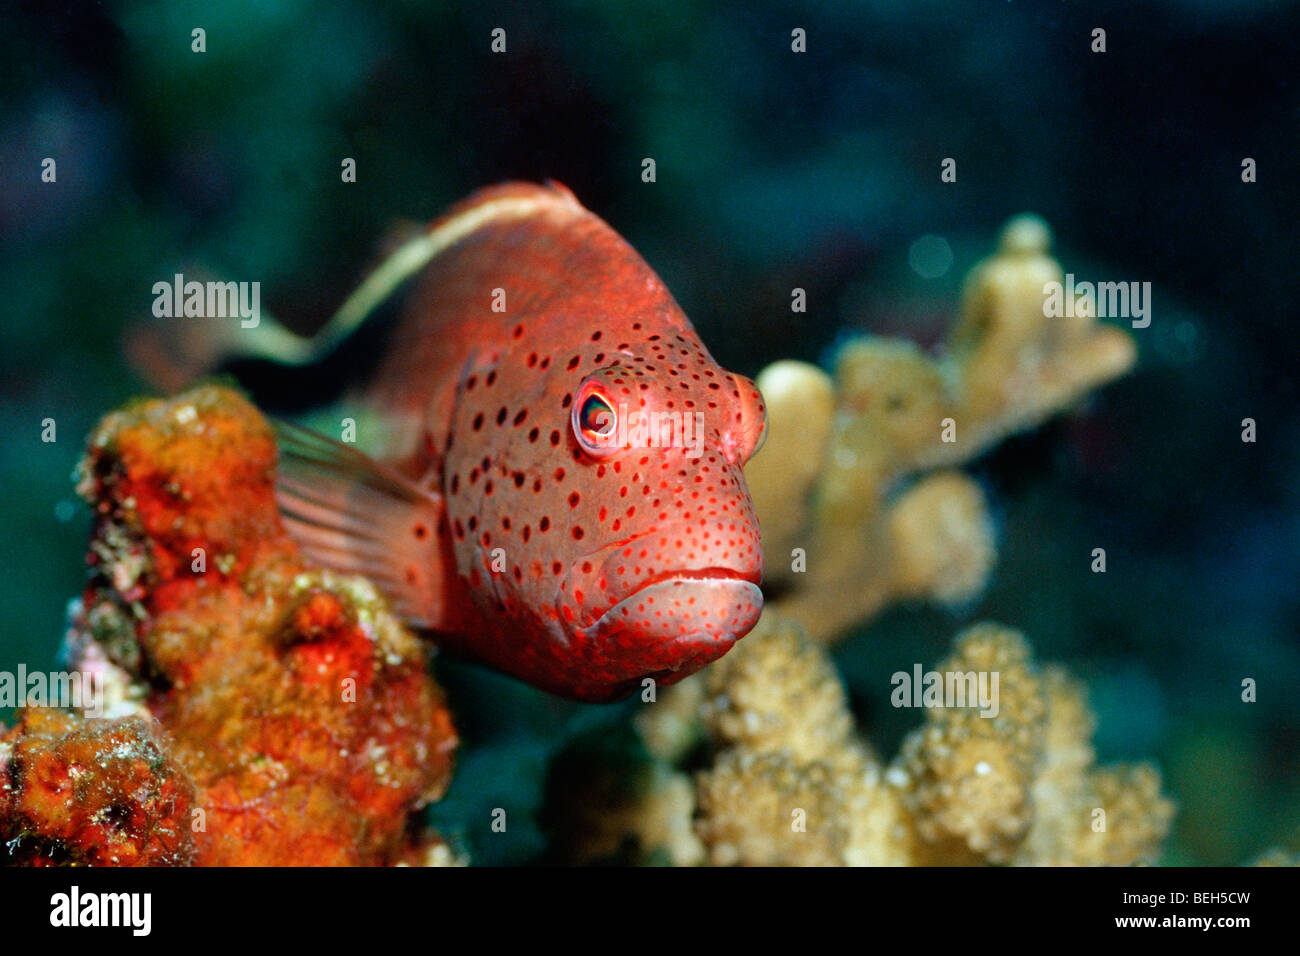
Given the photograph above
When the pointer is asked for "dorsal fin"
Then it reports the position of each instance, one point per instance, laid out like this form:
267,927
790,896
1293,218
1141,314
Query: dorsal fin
171,360
507,201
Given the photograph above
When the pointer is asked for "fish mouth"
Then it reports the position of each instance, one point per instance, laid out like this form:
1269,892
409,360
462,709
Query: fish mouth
670,626
685,608
698,574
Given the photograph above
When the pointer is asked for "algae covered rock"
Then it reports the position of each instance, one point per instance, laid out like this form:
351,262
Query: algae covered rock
272,713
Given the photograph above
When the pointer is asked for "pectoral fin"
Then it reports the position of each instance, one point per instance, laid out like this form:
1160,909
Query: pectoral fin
355,515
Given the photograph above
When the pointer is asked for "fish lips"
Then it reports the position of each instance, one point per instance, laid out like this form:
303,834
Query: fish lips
681,617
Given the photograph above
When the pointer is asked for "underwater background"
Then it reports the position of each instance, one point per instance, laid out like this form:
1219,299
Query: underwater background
818,170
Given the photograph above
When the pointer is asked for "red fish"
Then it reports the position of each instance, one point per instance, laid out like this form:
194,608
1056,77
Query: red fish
554,485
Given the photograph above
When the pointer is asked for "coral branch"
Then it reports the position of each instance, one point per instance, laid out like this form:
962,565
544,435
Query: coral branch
836,479
790,782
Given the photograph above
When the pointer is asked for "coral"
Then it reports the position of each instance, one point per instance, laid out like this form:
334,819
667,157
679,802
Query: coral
967,777
859,471
788,780
93,793
294,714
1276,856
429,849
781,696
861,505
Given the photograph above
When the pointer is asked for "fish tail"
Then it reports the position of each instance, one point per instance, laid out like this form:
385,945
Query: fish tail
172,353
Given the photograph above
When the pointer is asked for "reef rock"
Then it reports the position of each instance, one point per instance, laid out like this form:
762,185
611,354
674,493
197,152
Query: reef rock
261,711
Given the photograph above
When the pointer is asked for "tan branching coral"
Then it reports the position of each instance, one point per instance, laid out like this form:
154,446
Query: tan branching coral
967,777
790,782
854,513
793,783
781,696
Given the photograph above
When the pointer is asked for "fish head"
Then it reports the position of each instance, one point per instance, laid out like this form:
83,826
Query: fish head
577,449
672,579
594,478
603,509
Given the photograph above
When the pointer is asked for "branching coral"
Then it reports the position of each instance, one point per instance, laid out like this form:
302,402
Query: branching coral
788,780
287,717
849,475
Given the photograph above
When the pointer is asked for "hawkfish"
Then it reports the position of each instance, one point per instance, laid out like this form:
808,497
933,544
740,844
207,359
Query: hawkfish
547,473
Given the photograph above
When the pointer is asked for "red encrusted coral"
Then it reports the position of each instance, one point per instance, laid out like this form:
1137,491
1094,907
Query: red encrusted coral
93,792
300,709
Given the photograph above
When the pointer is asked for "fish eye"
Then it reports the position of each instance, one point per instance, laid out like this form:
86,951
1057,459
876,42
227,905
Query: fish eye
596,415
595,422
